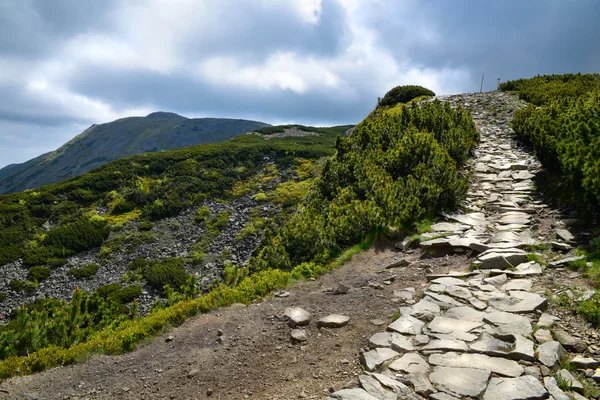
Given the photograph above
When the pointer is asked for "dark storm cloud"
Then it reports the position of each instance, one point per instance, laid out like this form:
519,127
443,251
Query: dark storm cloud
507,39
31,28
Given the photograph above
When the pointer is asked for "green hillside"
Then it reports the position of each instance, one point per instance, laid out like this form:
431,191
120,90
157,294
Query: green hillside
397,167
122,138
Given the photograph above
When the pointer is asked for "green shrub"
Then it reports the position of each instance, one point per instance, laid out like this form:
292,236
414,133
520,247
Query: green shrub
590,309
123,206
169,271
127,294
104,291
138,264
404,94
202,214
564,132
38,273
145,225
31,286
16,285
79,235
260,197
2,296
84,272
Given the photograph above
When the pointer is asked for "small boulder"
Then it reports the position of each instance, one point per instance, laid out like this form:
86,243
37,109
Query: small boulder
296,316
299,335
569,342
339,288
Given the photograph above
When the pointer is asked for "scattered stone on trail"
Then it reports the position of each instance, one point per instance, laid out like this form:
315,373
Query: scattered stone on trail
299,335
405,244
522,388
405,294
570,380
568,341
333,321
581,362
508,323
588,294
376,285
596,376
551,353
296,316
382,339
169,338
494,259
564,261
421,340
377,322
560,246
515,347
546,321
565,235
554,390
518,284
407,325
431,277
460,382
402,344
441,300
543,336
339,288
373,359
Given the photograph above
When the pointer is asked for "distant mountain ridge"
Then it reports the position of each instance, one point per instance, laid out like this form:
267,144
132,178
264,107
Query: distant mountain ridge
124,137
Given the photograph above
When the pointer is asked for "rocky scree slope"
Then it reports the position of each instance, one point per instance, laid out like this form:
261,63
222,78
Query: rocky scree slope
489,333
125,137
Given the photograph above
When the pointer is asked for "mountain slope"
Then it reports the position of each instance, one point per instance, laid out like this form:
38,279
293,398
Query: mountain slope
100,144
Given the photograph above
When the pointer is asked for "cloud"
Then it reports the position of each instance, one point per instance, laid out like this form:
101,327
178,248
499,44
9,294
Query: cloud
67,64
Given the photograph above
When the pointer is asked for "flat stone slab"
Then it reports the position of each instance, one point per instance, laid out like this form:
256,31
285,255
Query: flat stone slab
543,336
407,325
519,302
546,321
478,304
465,313
551,353
497,365
449,227
525,269
442,300
424,310
509,323
352,394
402,344
515,347
296,316
410,363
471,219
374,388
446,345
449,281
333,321
496,280
373,359
382,339
518,284
299,335
522,388
460,382
496,260
454,328
565,235
405,294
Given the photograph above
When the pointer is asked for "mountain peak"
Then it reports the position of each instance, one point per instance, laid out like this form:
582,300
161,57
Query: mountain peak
164,115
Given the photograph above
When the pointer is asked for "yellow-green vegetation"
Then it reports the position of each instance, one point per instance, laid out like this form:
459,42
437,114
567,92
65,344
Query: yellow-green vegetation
202,214
126,240
289,193
84,272
148,186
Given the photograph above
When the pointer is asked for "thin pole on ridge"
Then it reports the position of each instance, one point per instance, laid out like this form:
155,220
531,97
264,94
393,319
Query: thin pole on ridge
481,87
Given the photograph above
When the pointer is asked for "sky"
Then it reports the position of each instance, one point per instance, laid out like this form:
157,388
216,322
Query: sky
67,64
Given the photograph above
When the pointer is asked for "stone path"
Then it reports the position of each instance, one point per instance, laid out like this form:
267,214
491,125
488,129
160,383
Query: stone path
481,334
